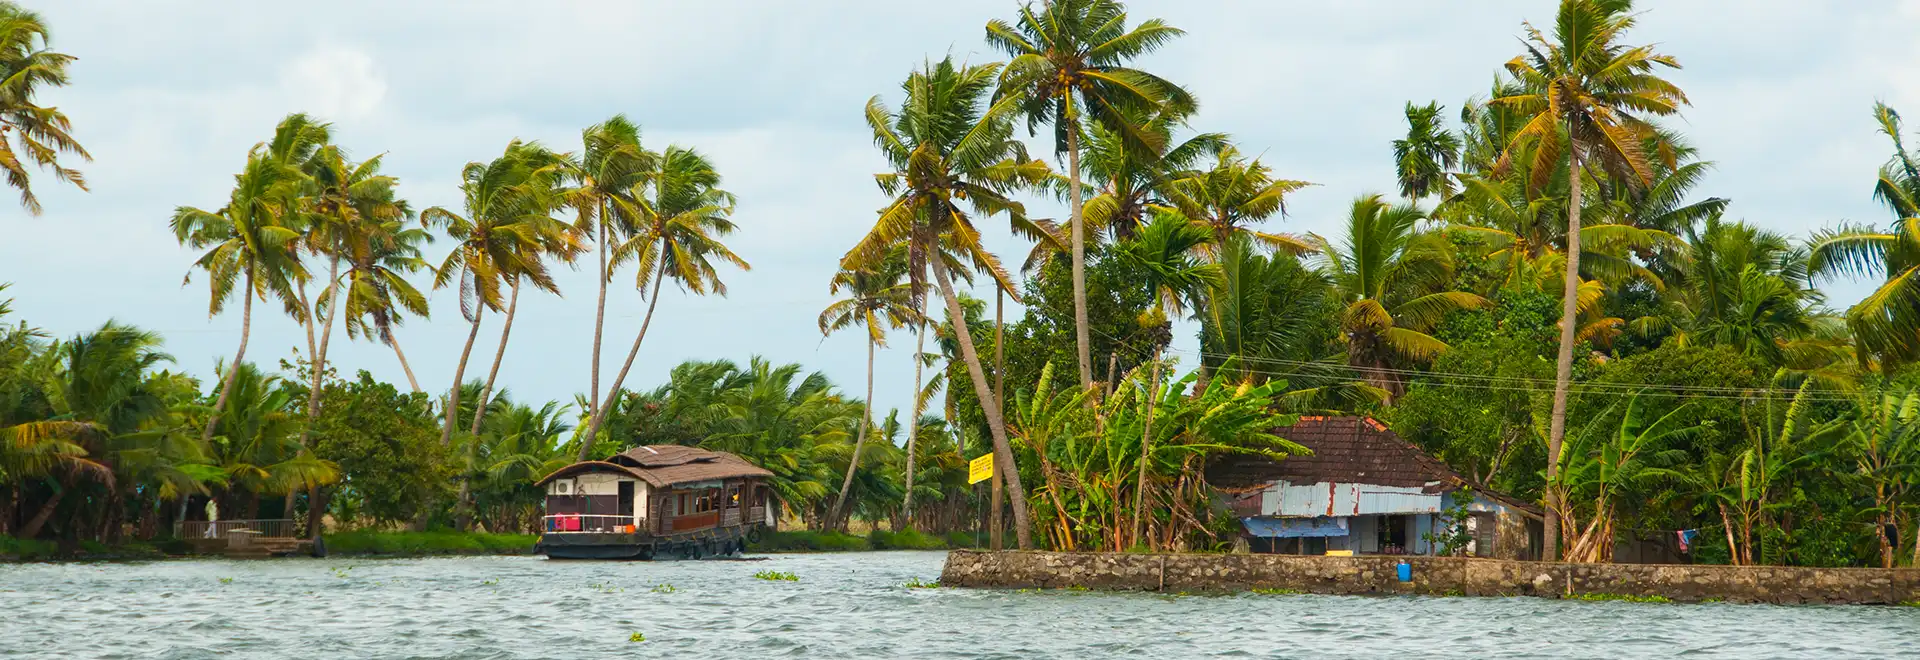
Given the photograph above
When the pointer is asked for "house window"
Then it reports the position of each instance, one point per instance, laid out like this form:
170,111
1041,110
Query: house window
1392,536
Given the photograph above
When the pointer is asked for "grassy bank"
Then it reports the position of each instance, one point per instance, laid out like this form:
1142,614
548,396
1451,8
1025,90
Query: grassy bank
812,541
421,544
13,549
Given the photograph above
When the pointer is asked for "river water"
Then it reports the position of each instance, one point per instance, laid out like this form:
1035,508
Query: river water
844,606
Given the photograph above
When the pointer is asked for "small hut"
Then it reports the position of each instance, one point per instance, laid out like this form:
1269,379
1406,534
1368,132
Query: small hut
1364,490
652,501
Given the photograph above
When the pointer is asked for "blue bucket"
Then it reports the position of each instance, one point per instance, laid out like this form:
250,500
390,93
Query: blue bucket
1405,571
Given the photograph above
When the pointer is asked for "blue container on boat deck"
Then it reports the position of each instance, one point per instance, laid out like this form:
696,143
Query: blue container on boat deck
1405,570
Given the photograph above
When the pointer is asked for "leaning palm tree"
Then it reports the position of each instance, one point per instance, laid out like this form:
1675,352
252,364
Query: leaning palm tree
1069,67
380,254
610,180
876,301
1583,92
678,239
1165,253
38,133
1425,156
946,149
1886,322
1393,279
503,239
1234,195
342,198
254,238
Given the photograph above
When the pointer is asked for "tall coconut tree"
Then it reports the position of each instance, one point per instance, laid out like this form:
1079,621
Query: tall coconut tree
1069,68
1887,322
1583,93
502,239
610,184
678,238
1232,197
380,254
343,199
558,243
1426,155
34,133
876,301
254,239
1394,280
954,158
1165,252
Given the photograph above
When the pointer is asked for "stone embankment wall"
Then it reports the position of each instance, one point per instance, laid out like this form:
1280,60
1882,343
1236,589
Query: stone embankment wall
1431,575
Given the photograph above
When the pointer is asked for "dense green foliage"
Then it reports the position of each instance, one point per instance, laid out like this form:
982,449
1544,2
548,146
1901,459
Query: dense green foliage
1550,241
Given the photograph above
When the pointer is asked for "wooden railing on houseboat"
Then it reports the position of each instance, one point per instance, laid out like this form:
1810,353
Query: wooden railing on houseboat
566,523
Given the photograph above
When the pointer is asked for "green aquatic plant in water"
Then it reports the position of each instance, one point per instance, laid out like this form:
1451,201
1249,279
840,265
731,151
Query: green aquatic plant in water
605,588
663,589
636,637
226,580
1277,592
777,576
917,583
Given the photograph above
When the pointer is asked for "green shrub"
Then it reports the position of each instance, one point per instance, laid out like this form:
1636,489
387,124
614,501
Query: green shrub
964,540
907,540
365,542
809,541
26,549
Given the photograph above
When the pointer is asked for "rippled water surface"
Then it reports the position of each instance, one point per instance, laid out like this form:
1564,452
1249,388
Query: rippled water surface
844,606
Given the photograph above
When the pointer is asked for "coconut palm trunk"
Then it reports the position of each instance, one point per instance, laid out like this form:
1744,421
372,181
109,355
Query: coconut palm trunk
599,321
459,373
996,495
1563,367
913,422
1146,451
613,388
860,441
320,353
480,406
402,356
1002,451
1081,341
239,354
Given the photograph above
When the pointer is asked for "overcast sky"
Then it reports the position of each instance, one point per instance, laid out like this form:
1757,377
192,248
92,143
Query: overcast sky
169,95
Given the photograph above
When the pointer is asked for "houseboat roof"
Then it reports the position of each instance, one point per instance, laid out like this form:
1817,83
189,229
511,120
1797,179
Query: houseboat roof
1350,449
666,465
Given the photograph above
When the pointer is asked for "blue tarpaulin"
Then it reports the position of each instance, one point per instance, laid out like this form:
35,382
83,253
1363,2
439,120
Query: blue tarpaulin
1291,528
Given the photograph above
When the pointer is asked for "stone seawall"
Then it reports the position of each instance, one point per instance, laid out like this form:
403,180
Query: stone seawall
1431,575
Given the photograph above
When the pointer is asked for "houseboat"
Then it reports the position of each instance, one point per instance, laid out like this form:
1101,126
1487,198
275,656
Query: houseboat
655,501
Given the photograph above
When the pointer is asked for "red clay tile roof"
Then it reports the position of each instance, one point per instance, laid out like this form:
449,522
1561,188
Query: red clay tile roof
665,465
1347,450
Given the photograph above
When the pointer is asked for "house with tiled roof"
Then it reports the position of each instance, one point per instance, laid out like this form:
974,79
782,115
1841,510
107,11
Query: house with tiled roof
1364,490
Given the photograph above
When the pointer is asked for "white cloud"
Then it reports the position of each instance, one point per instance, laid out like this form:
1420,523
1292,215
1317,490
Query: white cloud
336,83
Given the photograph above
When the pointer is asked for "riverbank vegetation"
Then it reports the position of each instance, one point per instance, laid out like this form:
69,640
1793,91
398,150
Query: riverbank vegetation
1549,302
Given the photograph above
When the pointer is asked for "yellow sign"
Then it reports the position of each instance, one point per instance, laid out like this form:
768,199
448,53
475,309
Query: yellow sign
980,469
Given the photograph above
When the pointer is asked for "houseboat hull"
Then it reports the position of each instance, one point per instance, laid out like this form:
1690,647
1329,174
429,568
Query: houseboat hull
710,544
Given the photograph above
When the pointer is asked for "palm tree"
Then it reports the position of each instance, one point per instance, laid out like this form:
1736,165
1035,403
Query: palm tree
945,148
560,243
1393,279
678,239
1069,66
39,132
877,301
1267,310
1887,322
1234,195
1582,92
503,238
255,237
1885,440
343,198
380,253
1425,156
1132,184
1165,251
611,185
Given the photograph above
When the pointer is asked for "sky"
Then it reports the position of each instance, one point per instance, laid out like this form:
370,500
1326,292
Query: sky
168,95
